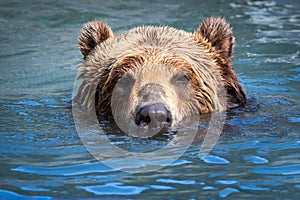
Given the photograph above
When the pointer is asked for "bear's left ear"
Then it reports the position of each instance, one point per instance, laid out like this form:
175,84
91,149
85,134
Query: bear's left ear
92,34
218,32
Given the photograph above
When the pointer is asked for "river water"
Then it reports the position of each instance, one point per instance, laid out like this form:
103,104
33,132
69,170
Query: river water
42,156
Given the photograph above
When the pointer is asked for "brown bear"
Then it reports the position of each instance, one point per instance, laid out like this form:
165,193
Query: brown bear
155,76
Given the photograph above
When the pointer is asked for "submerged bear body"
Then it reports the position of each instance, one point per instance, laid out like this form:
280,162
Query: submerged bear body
154,77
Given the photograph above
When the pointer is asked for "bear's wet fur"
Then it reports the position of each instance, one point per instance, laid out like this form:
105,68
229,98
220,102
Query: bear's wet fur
159,70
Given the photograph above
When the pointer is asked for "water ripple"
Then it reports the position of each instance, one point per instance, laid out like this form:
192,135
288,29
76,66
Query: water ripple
294,119
29,103
292,169
113,189
161,187
211,159
4,194
100,167
253,187
226,182
34,188
255,159
70,170
227,191
182,182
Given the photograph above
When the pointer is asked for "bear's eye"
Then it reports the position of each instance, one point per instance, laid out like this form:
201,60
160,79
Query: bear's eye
181,79
126,80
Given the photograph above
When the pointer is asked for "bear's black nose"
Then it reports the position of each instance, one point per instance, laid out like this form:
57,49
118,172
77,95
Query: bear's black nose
153,116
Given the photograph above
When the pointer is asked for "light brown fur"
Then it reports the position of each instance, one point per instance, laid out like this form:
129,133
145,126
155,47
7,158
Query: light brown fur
156,55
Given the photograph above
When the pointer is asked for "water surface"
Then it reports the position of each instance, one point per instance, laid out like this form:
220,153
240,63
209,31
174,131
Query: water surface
42,156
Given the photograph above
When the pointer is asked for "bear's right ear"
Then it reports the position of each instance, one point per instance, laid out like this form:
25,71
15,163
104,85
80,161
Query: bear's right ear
92,34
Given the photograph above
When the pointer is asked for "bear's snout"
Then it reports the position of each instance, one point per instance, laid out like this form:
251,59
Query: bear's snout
153,116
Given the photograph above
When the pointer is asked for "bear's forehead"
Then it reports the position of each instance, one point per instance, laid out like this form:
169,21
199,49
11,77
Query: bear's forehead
153,45
153,41
165,37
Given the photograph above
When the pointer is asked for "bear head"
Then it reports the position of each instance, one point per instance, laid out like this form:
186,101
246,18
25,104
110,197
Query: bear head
154,77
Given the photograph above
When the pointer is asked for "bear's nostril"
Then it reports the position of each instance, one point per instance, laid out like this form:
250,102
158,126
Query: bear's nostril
168,120
144,121
153,116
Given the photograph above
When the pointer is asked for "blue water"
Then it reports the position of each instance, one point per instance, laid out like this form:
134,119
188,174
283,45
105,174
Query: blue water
42,156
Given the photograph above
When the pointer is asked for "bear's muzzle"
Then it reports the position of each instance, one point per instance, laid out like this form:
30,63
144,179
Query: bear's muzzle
153,116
